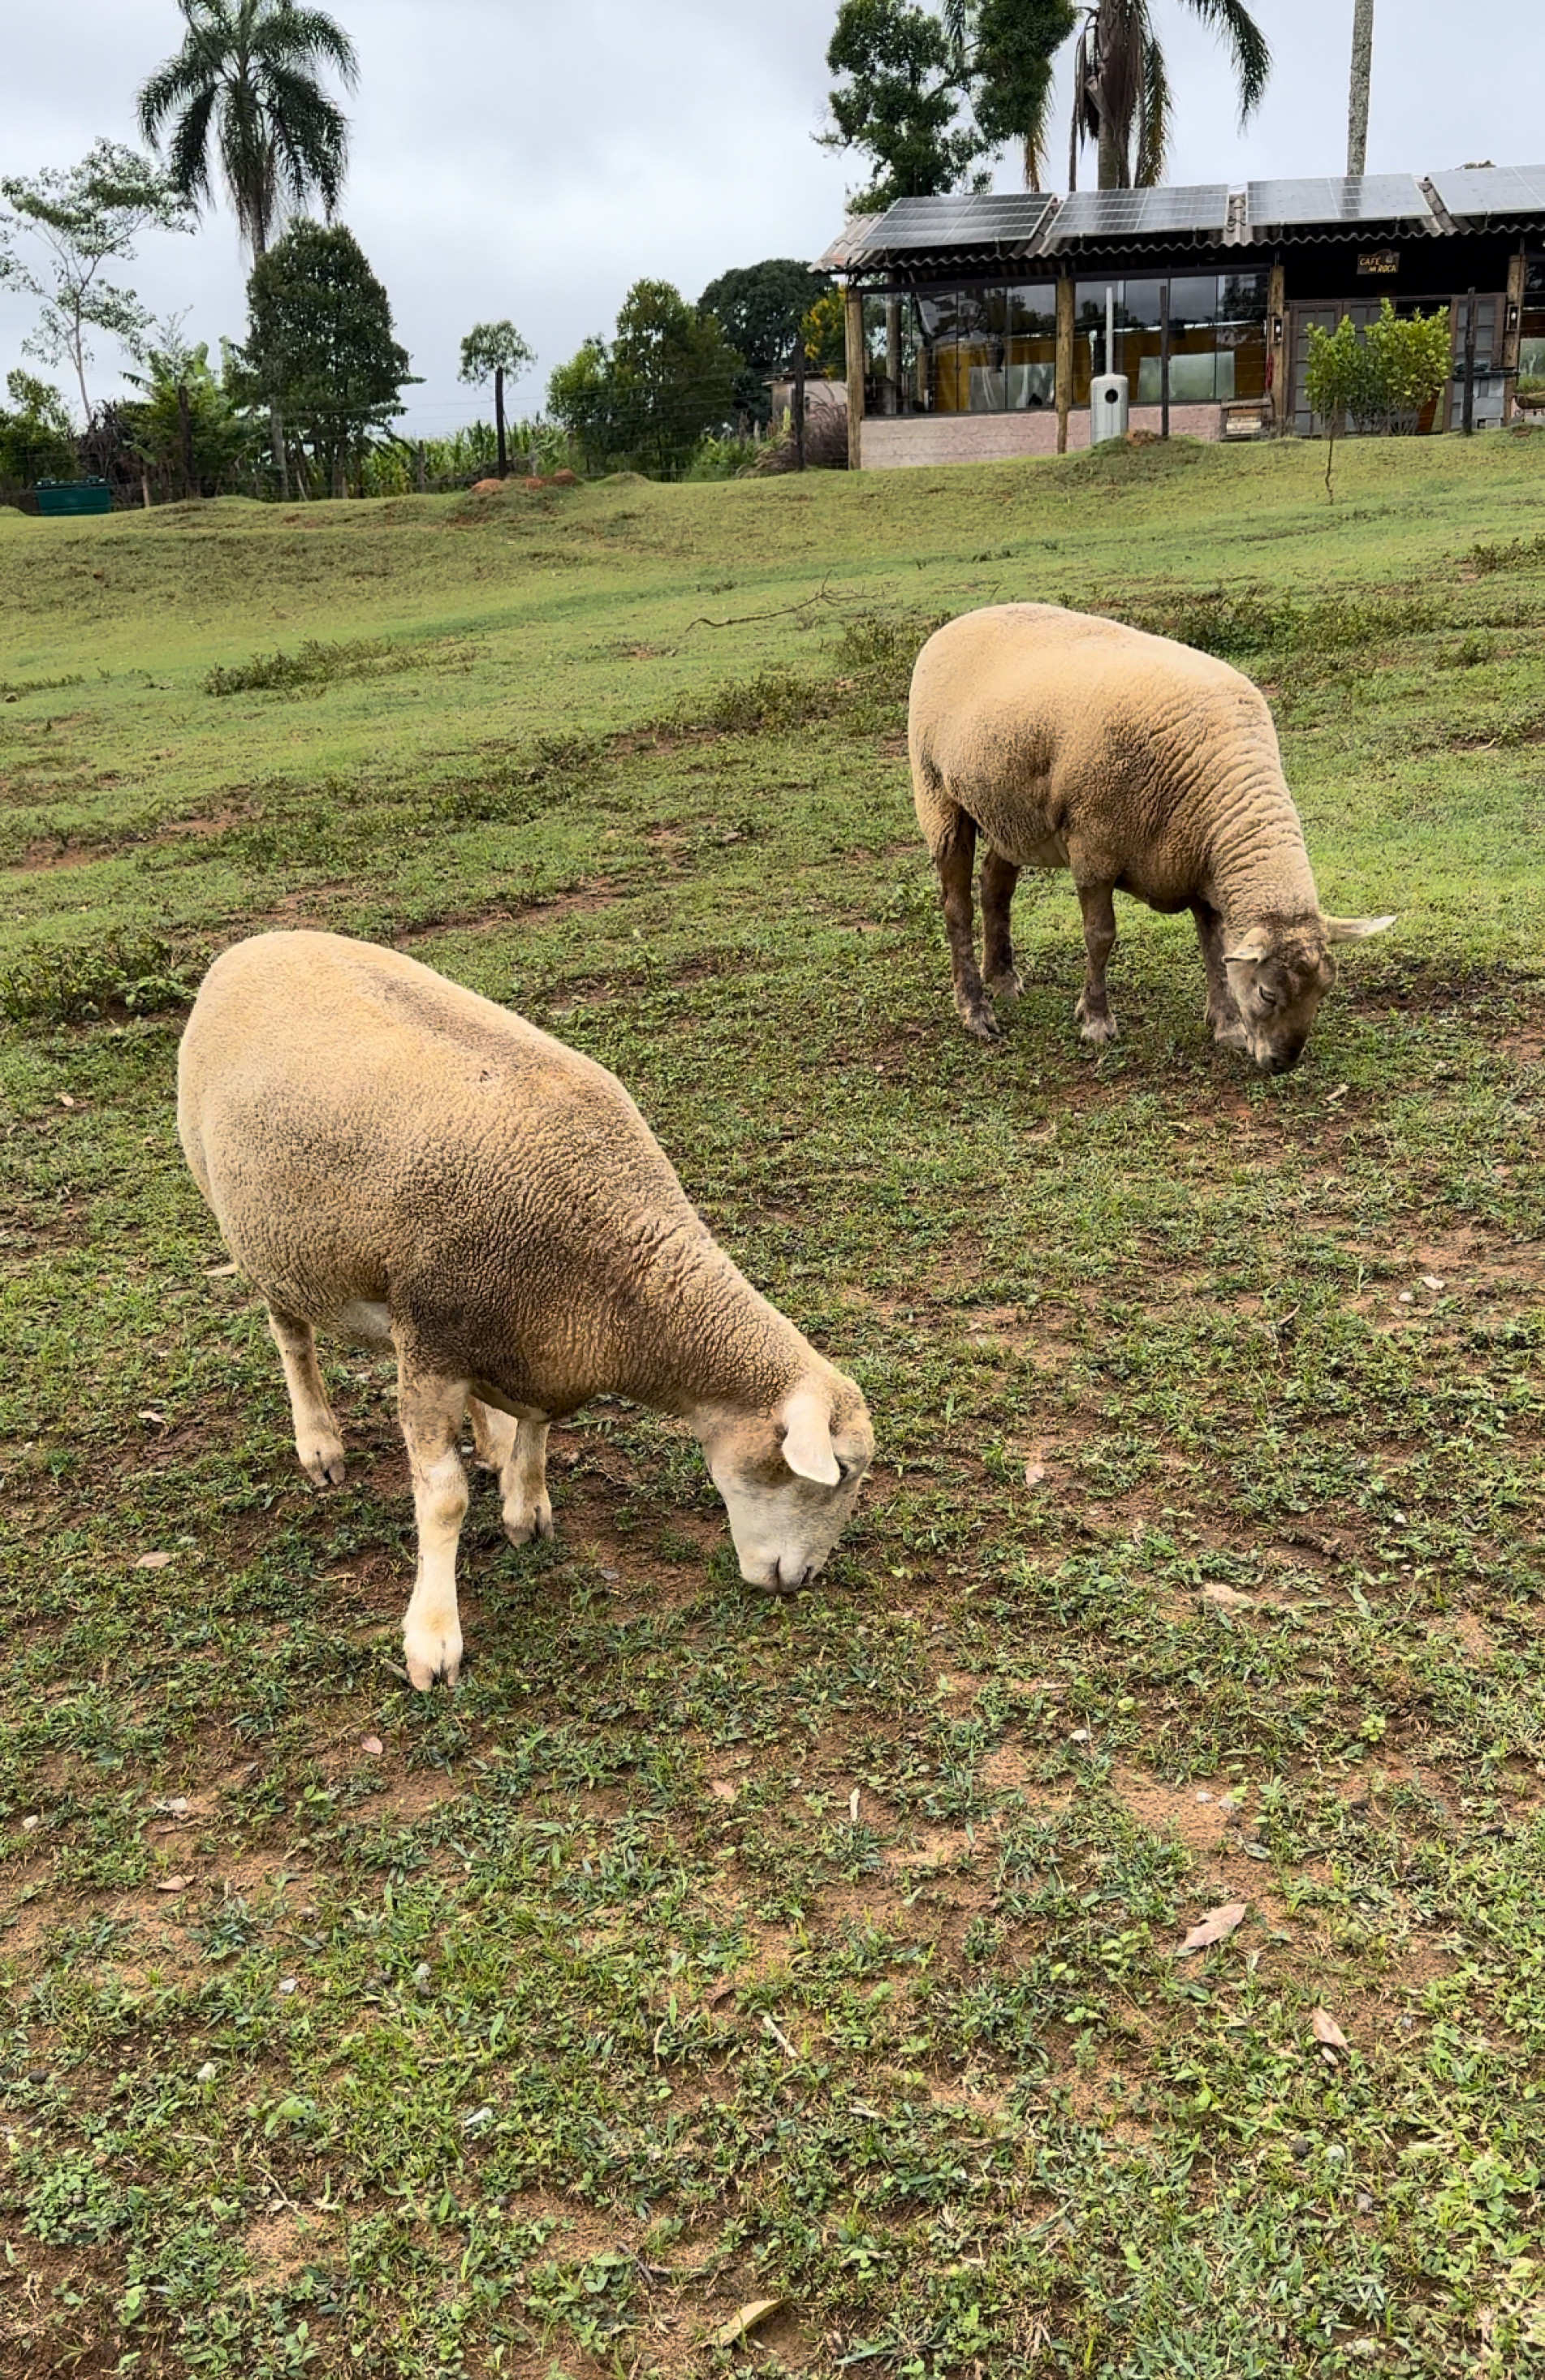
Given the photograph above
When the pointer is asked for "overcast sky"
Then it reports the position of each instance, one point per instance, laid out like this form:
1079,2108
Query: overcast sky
534,162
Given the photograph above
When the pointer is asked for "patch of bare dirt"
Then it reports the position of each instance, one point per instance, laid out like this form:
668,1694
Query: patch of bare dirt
584,900
1198,1815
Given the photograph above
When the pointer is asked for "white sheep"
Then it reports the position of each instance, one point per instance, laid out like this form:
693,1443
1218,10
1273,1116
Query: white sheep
388,1153
1143,766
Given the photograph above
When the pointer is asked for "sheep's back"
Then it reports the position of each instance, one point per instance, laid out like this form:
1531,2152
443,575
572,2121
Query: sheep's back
354,1118
1041,722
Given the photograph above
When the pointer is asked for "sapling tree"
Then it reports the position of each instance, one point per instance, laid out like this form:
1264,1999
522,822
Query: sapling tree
60,230
488,352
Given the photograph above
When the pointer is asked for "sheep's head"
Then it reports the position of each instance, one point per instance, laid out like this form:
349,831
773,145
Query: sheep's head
1279,975
790,1478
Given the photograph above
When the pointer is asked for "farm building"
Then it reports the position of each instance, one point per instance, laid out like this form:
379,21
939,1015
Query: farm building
979,323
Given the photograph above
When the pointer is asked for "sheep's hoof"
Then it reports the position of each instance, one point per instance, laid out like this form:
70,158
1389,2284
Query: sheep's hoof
980,1021
431,1654
521,1525
1098,1029
1005,983
321,1459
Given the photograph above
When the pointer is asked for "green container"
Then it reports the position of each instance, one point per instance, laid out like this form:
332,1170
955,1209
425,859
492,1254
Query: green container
56,496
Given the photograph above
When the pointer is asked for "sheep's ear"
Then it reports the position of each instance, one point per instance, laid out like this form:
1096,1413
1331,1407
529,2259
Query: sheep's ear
807,1420
1249,949
1353,929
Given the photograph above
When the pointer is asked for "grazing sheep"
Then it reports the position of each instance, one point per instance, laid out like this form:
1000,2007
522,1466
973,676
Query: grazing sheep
388,1153
1144,768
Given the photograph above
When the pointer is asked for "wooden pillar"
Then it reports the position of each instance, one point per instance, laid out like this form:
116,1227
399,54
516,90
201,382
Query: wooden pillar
1278,353
853,319
1065,360
1512,336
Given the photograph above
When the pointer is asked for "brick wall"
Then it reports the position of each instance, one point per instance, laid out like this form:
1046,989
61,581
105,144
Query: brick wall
893,444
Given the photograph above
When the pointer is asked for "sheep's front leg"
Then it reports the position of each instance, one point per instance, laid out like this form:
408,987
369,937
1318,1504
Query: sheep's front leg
999,877
954,860
317,1441
431,1410
517,1451
1093,1010
1223,1012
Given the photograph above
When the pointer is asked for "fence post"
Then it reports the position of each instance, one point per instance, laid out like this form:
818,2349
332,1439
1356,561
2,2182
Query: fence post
798,403
1469,415
1065,360
421,467
1164,359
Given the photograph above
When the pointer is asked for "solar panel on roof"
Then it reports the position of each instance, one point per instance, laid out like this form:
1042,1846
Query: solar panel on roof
1114,215
1340,199
1008,216
1492,189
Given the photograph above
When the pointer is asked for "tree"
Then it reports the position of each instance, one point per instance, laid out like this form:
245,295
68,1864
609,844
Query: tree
1121,87
1009,48
650,395
187,425
245,81
319,347
1360,85
37,440
488,352
761,309
1385,379
83,220
904,84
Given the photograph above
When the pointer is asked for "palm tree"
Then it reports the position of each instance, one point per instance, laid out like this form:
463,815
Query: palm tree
1121,90
245,83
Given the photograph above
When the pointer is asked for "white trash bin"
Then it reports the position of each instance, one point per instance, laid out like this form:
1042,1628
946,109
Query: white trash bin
1107,407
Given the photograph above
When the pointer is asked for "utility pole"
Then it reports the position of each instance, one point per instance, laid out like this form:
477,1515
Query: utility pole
1362,74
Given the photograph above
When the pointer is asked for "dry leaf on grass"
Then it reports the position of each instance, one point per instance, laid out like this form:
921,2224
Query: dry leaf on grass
745,2320
1431,1281
173,1883
1327,2032
721,1791
1228,1597
1034,1474
152,1561
372,1743
220,1272
1216,1926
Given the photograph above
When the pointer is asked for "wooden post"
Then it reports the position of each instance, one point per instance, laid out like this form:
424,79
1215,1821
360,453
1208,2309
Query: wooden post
1513,330
799,407
1469,415
1277,356
499,419
1065,360
853,324
1164,359
421,467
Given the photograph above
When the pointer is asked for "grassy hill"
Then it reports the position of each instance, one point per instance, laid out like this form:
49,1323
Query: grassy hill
704,1950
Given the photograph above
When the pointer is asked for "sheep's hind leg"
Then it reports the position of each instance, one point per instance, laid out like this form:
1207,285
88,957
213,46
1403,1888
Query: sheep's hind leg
517,1451
954,860
999,877
1093,1009
317,1441
1223,1012
431,1408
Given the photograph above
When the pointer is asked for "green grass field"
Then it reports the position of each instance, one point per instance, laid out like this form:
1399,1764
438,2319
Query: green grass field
704,1949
